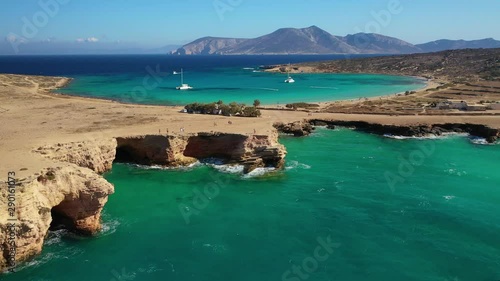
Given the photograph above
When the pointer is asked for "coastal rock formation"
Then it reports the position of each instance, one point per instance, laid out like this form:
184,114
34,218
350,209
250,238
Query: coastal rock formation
153,150
490,134
97,155
298,128
250,151
71,197
71,194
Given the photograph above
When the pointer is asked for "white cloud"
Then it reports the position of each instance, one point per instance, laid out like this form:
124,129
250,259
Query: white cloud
13,38
49,40
87,40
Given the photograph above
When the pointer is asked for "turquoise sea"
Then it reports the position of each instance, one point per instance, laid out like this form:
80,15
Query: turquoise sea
150,79
348,206
239,85
439,223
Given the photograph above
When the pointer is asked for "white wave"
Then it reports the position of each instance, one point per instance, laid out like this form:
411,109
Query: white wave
229,169
255,71
449,197
296,165
266,89
259,172
159,167
217,248
248,68
219,165
151,268
455,172
480,141
109,227
318,87
427,137
41,260
54,237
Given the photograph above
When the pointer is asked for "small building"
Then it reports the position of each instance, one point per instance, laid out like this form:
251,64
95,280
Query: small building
460,105
442,105
494,106
450,104
476,107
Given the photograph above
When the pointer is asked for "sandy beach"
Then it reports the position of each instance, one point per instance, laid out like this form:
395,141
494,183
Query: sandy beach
33,117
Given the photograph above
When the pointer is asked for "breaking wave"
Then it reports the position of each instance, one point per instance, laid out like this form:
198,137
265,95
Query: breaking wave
296,165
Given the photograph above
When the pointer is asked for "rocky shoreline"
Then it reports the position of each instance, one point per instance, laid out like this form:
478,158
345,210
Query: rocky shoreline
72,194
304,128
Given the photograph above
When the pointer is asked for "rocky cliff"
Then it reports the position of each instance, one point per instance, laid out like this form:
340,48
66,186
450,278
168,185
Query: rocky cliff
490,134
251,151
71,193
70,196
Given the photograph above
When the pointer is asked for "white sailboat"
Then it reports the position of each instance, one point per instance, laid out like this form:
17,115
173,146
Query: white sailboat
289,79
183,86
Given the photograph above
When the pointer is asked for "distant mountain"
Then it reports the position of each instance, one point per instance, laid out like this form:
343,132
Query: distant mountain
207,46
371,43
311,40
314,40
161,50
444,44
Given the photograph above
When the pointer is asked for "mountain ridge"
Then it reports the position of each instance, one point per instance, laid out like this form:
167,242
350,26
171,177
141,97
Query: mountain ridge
314,40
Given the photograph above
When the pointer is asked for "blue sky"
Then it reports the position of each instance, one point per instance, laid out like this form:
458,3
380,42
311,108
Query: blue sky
156,23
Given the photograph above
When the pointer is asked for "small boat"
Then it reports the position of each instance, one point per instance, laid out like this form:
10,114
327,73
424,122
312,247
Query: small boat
289,79
175,72
183,86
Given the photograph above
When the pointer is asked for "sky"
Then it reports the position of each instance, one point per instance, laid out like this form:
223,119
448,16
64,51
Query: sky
154,25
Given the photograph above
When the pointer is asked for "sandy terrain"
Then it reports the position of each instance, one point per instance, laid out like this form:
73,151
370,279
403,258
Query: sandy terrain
32,117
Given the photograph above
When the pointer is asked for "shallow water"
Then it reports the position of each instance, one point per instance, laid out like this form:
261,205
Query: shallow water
150,79
239,85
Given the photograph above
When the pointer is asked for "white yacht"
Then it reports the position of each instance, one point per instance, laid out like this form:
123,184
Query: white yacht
183,86
289,79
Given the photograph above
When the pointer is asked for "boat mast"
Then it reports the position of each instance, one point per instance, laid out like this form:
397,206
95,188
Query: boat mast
182,76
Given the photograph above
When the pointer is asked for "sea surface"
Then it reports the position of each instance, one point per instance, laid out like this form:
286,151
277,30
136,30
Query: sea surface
150,79
348,206
435,219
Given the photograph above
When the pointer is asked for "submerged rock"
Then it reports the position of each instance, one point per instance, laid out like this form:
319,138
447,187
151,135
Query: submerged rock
298,129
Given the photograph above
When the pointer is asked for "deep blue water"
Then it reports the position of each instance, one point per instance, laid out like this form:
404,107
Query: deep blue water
119,64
